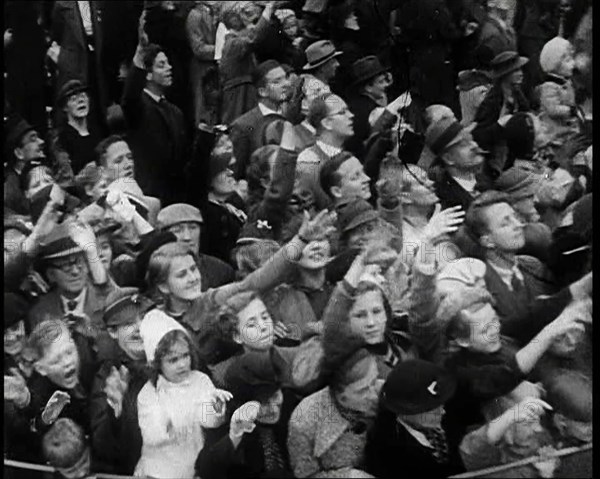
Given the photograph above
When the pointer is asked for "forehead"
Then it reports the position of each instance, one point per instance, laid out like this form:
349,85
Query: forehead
180,262
335,103
185,224
256,306
368,299
178,347
496,213
119,148
61,343
349,167
160,58
277,73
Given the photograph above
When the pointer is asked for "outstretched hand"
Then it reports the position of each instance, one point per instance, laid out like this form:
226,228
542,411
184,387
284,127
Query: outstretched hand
443,222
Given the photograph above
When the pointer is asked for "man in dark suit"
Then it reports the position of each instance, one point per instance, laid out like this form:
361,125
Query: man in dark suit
23,146
157,128
408,433
459,159
247,132
77,49
525,293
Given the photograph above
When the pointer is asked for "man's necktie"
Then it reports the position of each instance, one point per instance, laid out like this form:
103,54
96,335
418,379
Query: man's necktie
437,438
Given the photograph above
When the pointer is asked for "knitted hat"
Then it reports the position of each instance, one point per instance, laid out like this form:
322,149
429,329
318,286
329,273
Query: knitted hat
353,214
15,309
462,272
570,394
154,327
518,183
416,386
552,54
178,213
124,306
519,134
469,79
254,376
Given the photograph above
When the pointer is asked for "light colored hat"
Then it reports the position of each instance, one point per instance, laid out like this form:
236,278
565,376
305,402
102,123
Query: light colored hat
178,213
319,53
463,272
154,327
553,52
283,14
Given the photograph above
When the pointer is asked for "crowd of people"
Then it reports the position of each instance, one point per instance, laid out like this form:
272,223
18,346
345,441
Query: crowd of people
303,238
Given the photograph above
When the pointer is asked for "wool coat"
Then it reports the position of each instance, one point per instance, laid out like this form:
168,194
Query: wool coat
321,442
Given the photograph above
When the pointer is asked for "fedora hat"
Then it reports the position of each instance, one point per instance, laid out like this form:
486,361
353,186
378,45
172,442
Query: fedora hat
320,53
366,68
507,62
71,87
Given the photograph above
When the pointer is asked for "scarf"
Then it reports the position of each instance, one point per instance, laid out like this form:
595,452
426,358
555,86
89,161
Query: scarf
357,420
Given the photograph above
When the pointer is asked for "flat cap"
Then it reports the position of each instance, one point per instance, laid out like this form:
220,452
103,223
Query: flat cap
178,213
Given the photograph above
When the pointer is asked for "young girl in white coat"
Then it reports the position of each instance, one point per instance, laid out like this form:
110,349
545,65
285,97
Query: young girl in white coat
176,403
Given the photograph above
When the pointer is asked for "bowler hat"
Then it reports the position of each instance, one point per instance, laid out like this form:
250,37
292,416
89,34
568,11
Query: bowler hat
366,68
416,386
71,87
124,306
354,213
507,62
319,53
15,309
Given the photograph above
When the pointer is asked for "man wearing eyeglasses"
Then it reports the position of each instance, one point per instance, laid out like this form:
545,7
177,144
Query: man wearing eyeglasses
79,283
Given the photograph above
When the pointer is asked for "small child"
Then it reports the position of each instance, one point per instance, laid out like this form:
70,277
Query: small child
65,448
558,109
177,403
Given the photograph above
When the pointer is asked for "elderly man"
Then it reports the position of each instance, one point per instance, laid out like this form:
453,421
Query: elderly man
79,282
460,160
116,437
185,222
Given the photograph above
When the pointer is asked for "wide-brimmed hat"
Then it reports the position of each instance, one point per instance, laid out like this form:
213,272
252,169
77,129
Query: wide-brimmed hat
366,68
320,53
505,63
71,87
444,133
416,386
